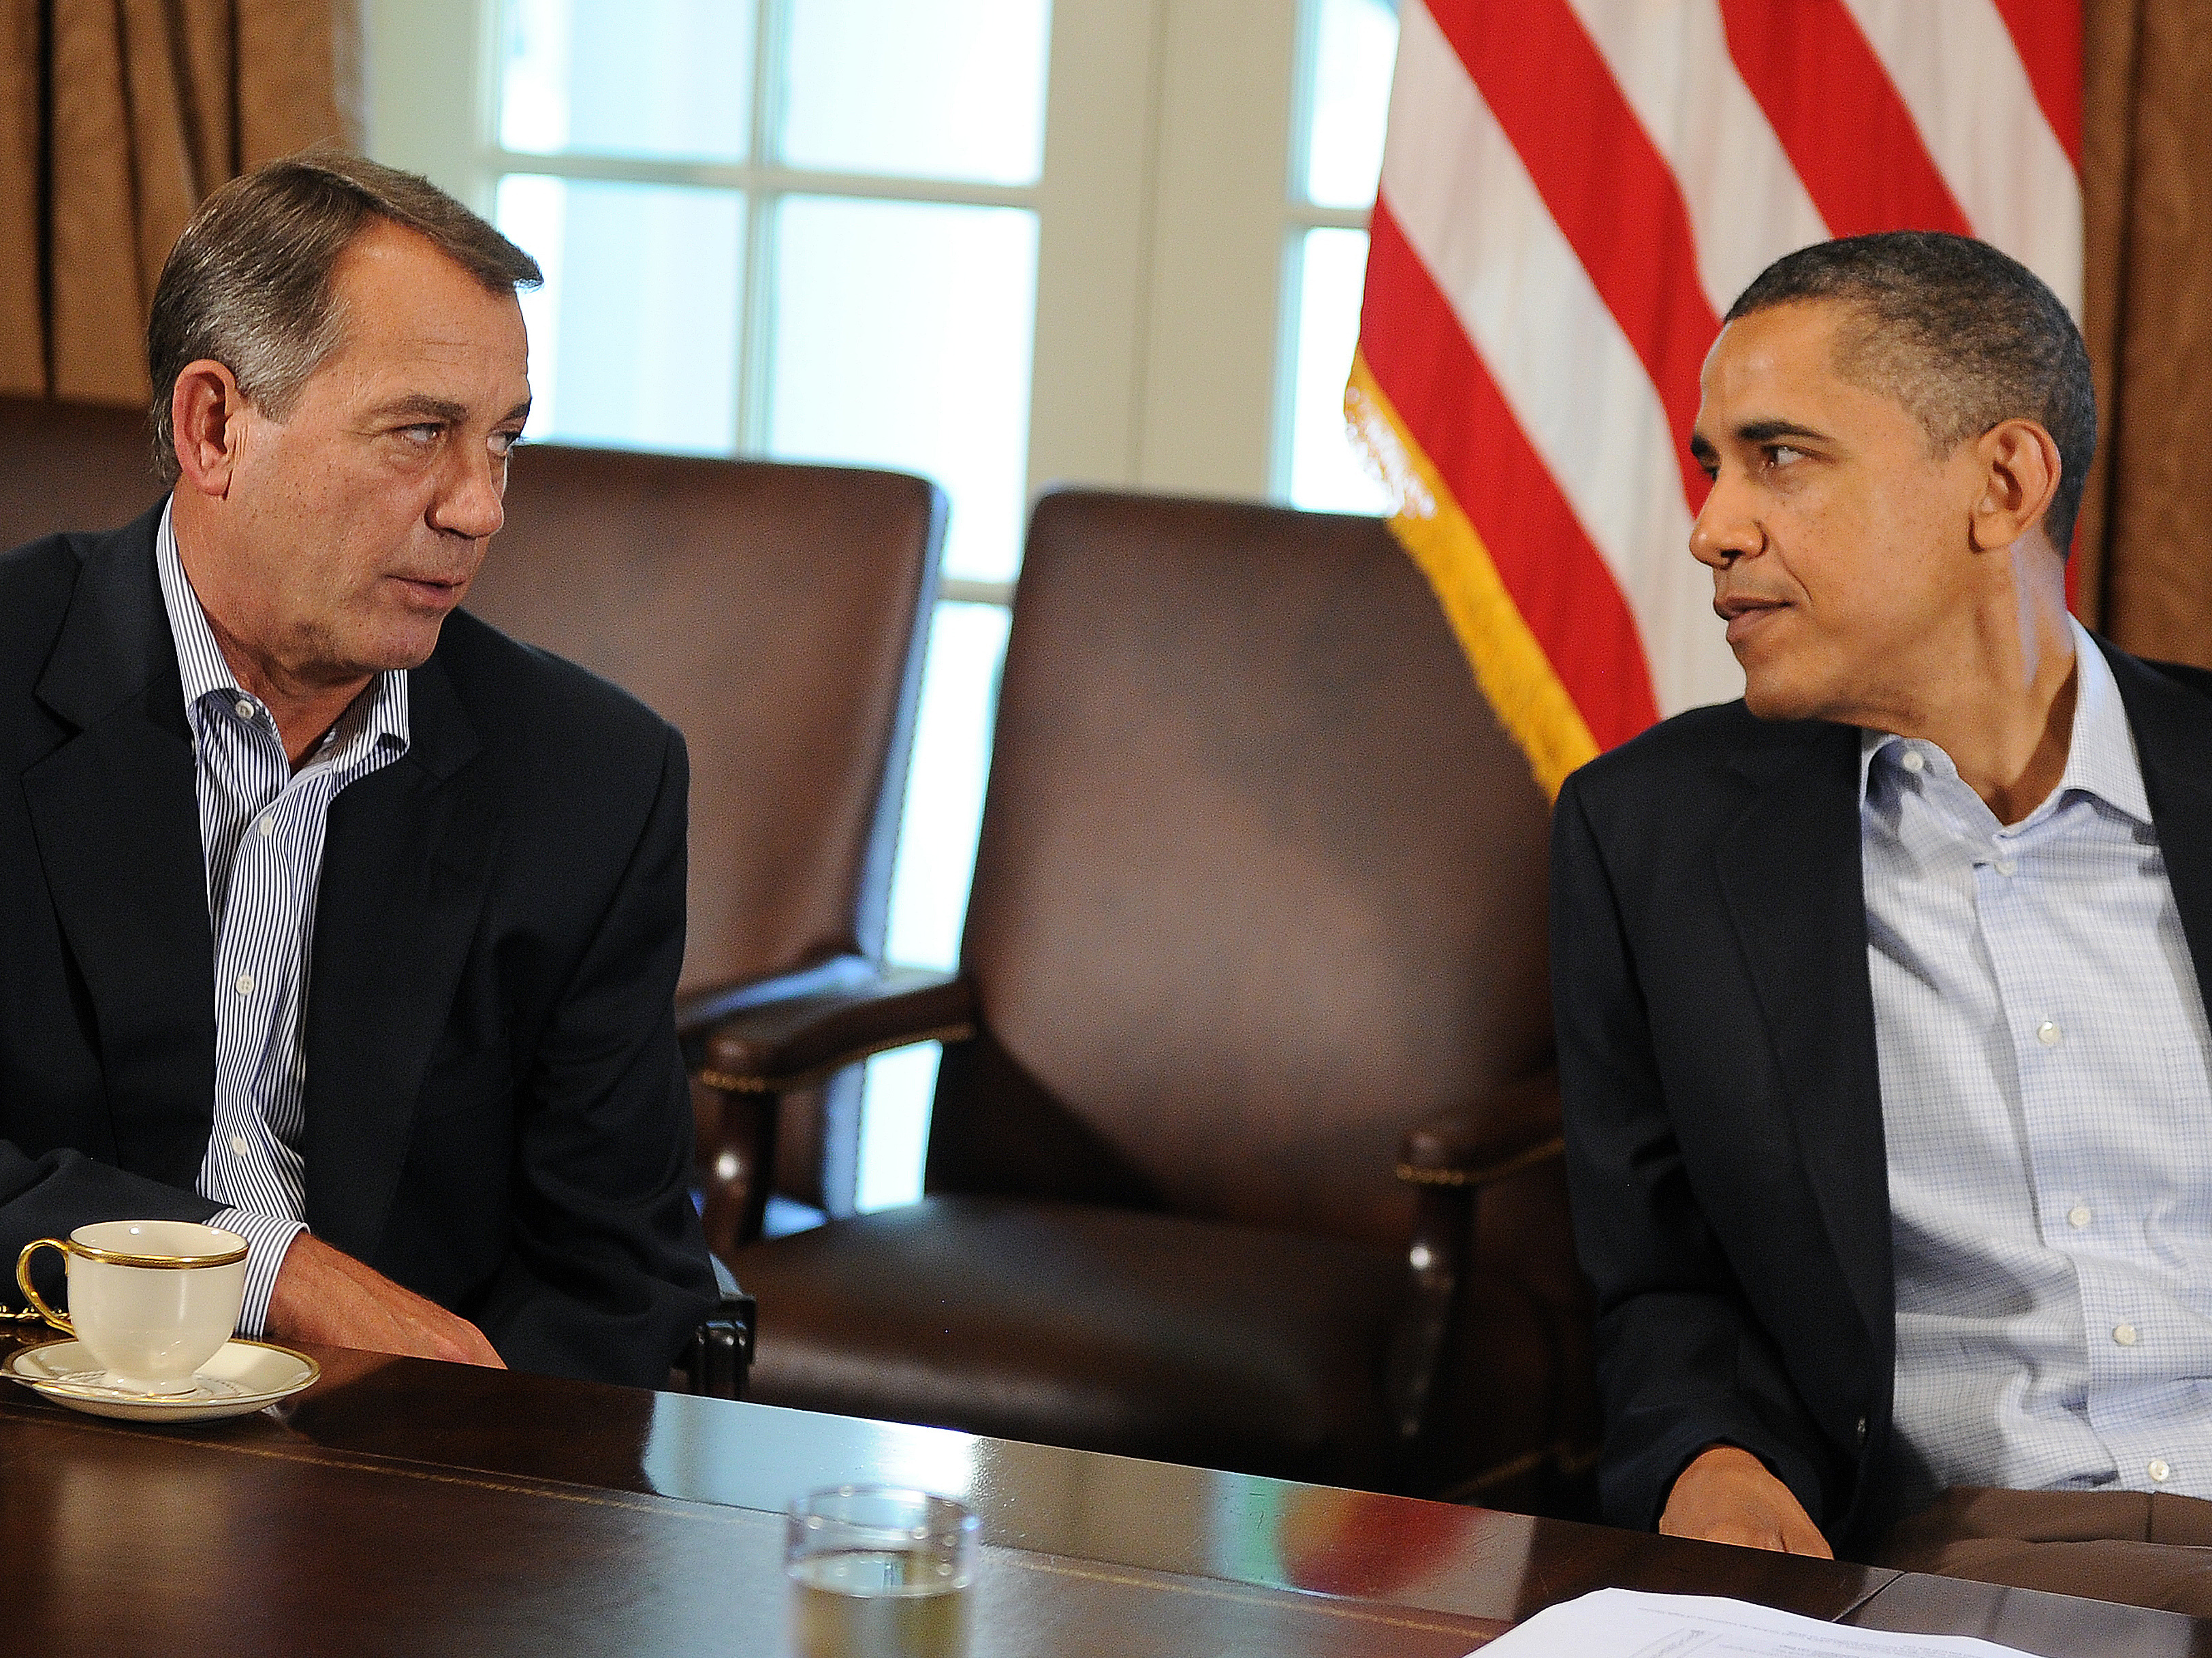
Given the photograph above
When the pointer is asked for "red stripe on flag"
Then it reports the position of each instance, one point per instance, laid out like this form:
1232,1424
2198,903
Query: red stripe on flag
2047,34
1425,365
1609,190
1839,118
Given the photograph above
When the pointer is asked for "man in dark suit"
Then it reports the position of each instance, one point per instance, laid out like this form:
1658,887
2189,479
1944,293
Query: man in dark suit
433,1078
1881,1039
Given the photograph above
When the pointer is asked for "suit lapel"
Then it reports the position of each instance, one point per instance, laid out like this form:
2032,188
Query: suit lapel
406,865
117,821
1790,872
2173,726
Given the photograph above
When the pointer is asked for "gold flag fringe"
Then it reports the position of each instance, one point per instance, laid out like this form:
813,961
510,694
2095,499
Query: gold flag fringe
1509,665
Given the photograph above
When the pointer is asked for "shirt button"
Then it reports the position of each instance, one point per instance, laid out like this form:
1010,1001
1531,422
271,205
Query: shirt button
242,708
2124,1334
1913,761
2006,866
2159,1470
2078,1217
269,826
241,1144
245,984
2049,1033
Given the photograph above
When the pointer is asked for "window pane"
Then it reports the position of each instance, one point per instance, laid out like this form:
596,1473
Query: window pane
1327,472
1356,44
929,882
895,1126
628,78
902,339
634,338
945,788
952,89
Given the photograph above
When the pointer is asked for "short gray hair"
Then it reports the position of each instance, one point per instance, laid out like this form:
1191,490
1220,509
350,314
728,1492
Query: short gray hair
1961,334
248,284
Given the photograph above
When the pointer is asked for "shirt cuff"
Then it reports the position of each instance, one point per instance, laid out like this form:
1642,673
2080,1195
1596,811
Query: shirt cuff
267,1237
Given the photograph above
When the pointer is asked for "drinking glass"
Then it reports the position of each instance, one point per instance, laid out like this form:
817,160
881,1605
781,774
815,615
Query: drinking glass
878,1572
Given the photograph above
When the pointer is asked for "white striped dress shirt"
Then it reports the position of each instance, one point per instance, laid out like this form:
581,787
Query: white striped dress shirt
261,830
2048,1115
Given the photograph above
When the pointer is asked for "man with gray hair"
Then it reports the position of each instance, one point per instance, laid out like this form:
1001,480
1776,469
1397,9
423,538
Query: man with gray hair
433,1080
1882,1039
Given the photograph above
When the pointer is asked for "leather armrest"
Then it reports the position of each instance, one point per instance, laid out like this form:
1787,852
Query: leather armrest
771,1046
698,1012
1504,1132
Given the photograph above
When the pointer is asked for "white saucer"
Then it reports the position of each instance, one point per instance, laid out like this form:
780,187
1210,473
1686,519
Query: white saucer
245,1376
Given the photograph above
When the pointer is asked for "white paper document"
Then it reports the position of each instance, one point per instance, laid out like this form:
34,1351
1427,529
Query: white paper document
1623,1623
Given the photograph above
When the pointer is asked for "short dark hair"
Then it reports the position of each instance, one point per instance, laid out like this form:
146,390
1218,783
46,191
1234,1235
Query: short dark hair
1961,334
248,284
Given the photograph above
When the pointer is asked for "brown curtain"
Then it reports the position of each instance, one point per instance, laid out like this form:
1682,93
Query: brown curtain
2146,576
116,118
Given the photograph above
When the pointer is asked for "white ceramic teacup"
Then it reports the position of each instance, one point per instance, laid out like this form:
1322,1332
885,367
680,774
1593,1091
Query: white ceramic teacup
151,1300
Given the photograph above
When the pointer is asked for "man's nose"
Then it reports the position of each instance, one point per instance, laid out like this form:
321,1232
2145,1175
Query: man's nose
1726,528
471,501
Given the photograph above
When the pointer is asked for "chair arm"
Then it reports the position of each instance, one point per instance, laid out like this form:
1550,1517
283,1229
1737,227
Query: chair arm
698,1012
1510,1129
772,1046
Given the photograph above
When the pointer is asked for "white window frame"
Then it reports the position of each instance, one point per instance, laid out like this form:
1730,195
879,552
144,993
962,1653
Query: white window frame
1171,217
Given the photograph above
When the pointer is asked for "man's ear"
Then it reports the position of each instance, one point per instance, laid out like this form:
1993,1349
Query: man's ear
2019,465
207,416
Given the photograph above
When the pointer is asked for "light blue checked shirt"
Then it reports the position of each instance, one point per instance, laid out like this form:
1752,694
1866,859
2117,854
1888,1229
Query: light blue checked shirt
2046,1100
261,830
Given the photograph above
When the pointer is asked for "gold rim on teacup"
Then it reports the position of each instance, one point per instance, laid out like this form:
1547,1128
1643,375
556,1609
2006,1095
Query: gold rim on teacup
123,1258
60,1320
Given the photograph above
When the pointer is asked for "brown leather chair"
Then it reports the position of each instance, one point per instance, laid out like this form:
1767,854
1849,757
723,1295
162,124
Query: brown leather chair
72,466
1252,1003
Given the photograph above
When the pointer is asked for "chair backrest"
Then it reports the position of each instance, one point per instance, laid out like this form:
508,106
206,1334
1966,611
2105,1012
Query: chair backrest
1261,881
72,466
774,613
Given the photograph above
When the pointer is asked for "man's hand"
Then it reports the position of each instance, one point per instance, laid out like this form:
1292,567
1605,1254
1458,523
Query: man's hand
324,1296
1727,1495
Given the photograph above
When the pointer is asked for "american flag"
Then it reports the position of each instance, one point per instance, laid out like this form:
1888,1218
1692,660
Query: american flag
1573,192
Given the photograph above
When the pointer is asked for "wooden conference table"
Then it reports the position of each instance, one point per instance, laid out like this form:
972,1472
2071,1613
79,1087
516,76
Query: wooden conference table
400,1506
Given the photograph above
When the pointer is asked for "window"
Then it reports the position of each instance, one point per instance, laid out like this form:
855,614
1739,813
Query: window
999,242
1344,88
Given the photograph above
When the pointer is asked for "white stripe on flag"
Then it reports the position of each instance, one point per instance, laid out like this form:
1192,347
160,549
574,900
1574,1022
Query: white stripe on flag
1475,217
1747,207
1956,67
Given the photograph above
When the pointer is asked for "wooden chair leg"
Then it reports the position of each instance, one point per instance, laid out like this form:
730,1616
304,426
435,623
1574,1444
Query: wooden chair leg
736,1162
1437,1259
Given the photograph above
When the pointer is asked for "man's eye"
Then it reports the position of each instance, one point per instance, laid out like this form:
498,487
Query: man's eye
422,436
502,443
1781,454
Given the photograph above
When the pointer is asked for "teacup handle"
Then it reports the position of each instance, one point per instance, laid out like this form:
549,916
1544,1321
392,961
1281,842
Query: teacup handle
59,1320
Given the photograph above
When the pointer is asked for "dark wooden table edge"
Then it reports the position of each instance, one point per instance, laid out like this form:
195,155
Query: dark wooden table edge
1889,1577
270,1435
1358,1609
296,1446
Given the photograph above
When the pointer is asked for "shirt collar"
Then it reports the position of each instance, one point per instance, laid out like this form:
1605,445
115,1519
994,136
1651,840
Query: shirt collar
2100,757
378,716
